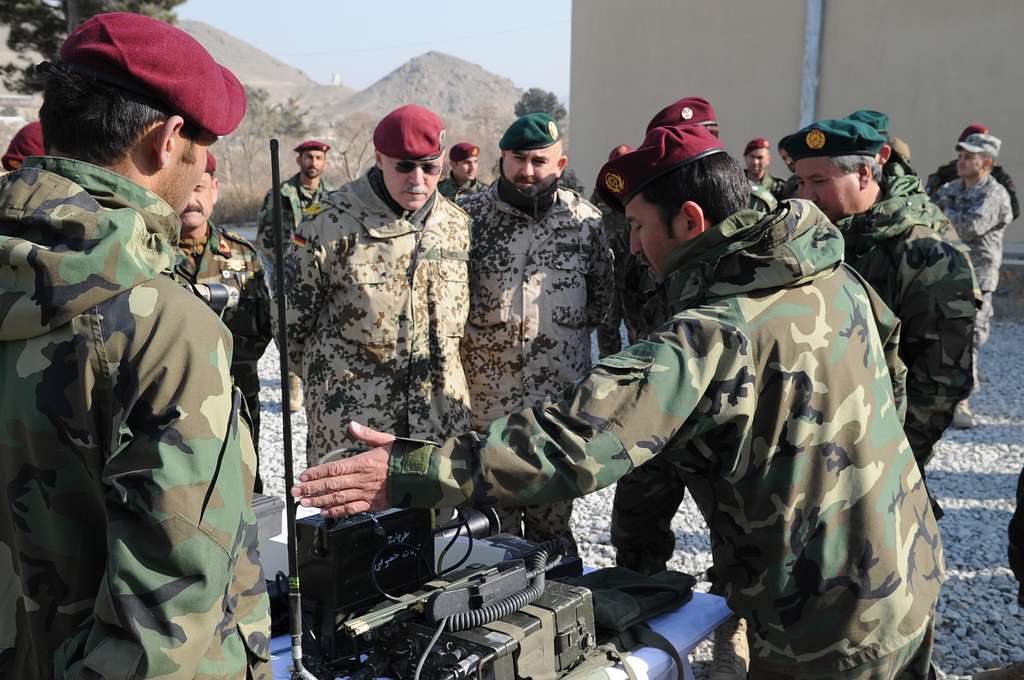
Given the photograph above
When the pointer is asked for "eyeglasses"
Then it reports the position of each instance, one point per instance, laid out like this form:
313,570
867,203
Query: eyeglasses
429,168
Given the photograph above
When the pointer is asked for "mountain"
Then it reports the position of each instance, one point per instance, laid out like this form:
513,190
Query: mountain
450,86
256,68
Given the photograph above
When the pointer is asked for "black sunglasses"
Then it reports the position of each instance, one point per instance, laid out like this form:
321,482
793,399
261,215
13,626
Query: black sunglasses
429,168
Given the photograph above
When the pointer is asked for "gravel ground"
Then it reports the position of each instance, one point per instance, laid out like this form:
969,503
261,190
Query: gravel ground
973,474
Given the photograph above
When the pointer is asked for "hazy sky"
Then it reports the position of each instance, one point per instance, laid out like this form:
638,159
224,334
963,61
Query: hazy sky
525,40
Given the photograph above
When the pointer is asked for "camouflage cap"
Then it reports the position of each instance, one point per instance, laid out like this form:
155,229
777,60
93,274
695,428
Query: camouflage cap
533,131
876,119
833,137
981,143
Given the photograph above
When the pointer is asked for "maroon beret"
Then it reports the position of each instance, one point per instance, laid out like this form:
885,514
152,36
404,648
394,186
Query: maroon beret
685,111
312,145
973,129
755,144
463,151
211,163
619,150
27,142
153,59
410,131
663,150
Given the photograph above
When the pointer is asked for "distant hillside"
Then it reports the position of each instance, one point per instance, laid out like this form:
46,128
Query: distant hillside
256,68
443,83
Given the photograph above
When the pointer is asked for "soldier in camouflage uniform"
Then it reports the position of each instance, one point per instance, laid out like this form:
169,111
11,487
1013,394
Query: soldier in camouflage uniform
540,280
209,254
899,179
616,233
461,181
128,543
300,197
378,294
948,172
648,498
775,389
927,280
758,156
979,208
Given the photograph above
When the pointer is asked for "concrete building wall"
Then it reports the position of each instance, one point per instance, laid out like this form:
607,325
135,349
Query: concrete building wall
932,65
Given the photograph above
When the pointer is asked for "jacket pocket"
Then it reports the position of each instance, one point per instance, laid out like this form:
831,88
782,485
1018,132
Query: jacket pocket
490,303
454,273
567,291
371,306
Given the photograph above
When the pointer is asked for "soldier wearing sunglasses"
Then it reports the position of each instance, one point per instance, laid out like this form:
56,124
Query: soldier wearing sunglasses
378,295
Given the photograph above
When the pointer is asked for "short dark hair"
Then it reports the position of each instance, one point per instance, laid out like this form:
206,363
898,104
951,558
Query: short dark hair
716,183
90,120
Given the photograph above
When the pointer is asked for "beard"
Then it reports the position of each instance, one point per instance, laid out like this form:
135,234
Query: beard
531,187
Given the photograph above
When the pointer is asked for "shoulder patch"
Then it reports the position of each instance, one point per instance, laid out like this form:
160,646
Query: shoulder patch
235,237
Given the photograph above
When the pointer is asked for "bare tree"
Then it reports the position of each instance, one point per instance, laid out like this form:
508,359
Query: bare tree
354,135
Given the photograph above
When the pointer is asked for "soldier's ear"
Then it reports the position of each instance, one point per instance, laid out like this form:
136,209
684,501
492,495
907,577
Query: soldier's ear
689,222
165,141
884,154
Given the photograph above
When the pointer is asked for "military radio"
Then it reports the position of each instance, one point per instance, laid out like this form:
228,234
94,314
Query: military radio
388,594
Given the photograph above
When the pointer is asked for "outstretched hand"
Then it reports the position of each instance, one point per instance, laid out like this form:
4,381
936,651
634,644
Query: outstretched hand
356,484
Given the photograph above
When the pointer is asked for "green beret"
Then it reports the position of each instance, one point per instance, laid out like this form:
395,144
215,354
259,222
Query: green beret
529,132
875,119
834,137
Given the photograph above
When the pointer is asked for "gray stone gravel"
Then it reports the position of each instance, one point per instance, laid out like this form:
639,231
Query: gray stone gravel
973,474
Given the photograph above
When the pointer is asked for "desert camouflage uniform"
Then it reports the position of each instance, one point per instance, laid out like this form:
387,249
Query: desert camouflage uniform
616,232
929,283
772,391
377,306
456,192
537,289
297,202
980,216
227,258
947,173
128,546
